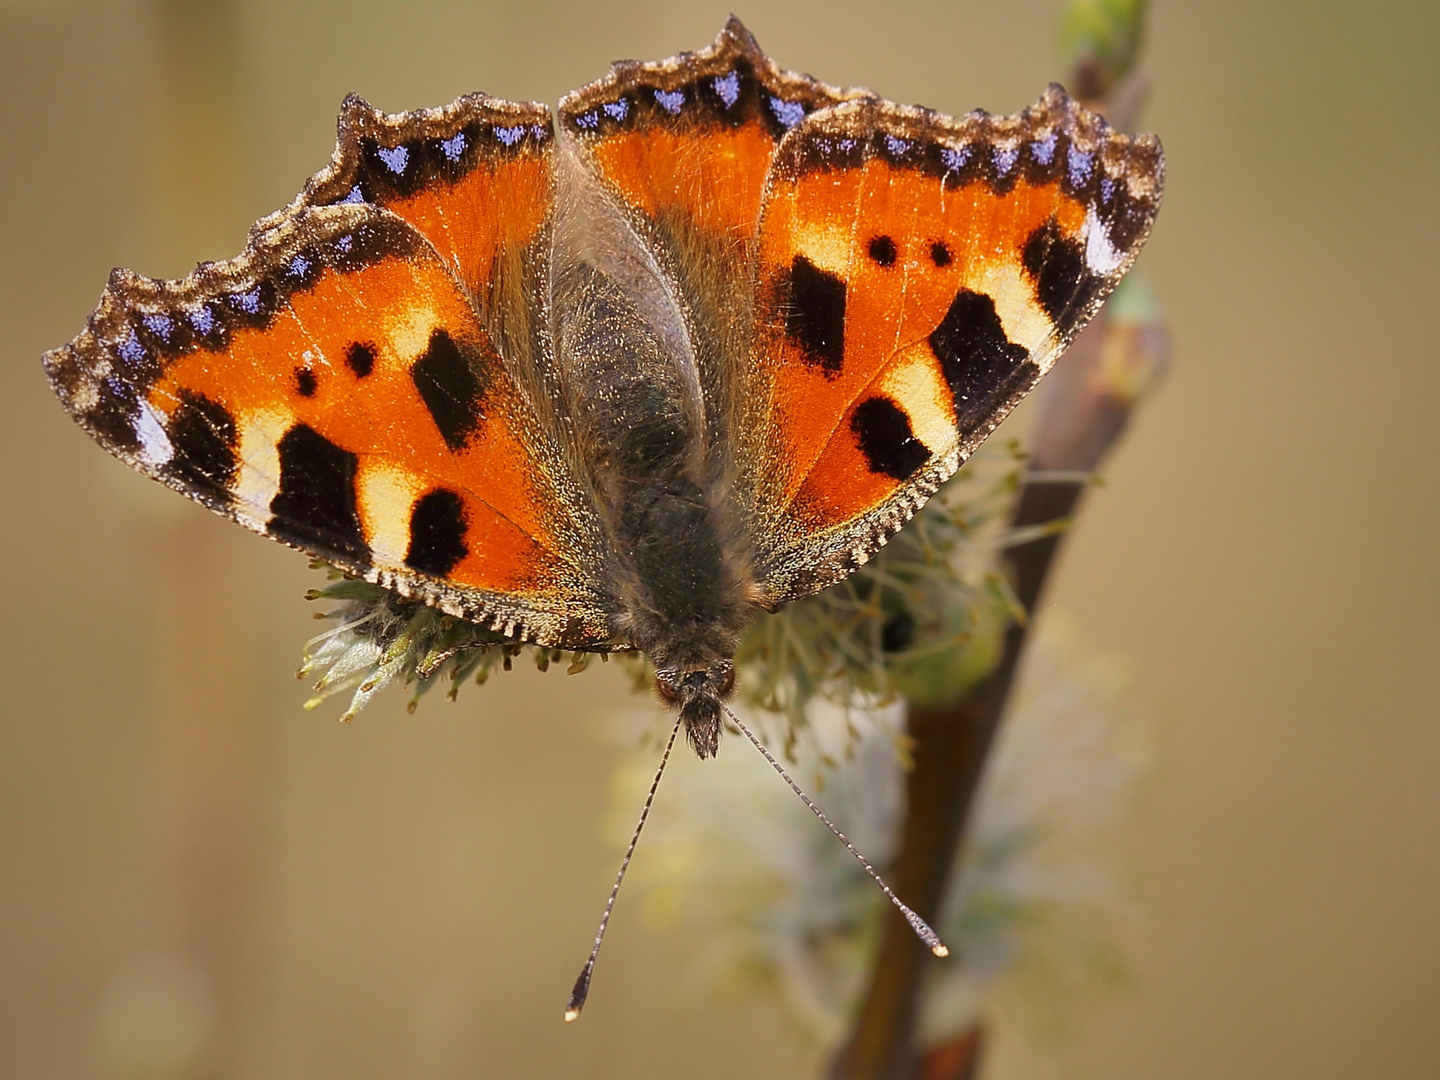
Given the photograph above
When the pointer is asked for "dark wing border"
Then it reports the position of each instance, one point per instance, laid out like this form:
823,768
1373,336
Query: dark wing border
782,98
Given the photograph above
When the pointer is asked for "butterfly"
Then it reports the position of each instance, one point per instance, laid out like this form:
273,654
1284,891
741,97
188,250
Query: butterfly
626,377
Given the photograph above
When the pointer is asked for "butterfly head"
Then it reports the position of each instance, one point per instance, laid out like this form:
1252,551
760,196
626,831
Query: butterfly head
697,692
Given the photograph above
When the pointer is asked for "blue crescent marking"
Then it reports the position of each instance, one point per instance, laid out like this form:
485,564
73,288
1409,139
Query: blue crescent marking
728,87
130,350
453,147
395,158
1043,150
789,113
956,159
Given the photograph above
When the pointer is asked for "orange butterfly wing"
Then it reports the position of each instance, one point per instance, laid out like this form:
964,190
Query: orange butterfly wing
917,277
340,386
474,178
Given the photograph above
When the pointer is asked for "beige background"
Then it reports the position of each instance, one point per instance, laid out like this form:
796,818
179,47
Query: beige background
409,897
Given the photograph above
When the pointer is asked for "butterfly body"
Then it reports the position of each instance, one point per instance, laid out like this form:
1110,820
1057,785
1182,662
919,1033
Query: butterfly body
627,378
650,450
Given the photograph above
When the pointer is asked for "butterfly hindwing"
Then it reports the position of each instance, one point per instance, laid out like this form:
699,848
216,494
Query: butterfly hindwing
474,178
683,146
693,137
338,385
917,275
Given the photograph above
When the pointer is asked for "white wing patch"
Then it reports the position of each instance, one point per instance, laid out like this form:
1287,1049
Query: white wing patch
155,448
386,496
1100,254
259,453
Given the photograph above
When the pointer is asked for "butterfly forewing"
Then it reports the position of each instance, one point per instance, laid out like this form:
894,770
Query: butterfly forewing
335,388
917,275
688,142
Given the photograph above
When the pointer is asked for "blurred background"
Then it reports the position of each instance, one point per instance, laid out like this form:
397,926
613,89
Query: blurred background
198,879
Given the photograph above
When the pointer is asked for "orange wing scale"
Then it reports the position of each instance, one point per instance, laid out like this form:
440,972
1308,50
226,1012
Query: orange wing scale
492,210
717,180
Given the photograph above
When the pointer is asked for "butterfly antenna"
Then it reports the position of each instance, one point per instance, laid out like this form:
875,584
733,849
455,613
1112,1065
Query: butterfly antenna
920,926
582,984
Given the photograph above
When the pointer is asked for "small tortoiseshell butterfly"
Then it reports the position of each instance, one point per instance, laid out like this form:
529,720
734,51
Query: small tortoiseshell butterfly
625,378
622,381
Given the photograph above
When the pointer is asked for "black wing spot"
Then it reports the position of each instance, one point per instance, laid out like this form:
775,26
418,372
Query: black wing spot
305,382
815,319
203,435
1056,264
315,506
437,533
980,363
886,439
360,357
883,251
451,389
940,254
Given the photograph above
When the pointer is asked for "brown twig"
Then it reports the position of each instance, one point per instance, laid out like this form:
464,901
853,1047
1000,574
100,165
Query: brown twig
950,749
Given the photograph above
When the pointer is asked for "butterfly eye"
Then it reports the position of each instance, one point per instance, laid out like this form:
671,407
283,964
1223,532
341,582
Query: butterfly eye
667,689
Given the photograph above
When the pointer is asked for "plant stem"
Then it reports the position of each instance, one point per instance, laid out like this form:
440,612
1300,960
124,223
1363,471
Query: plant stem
950,748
